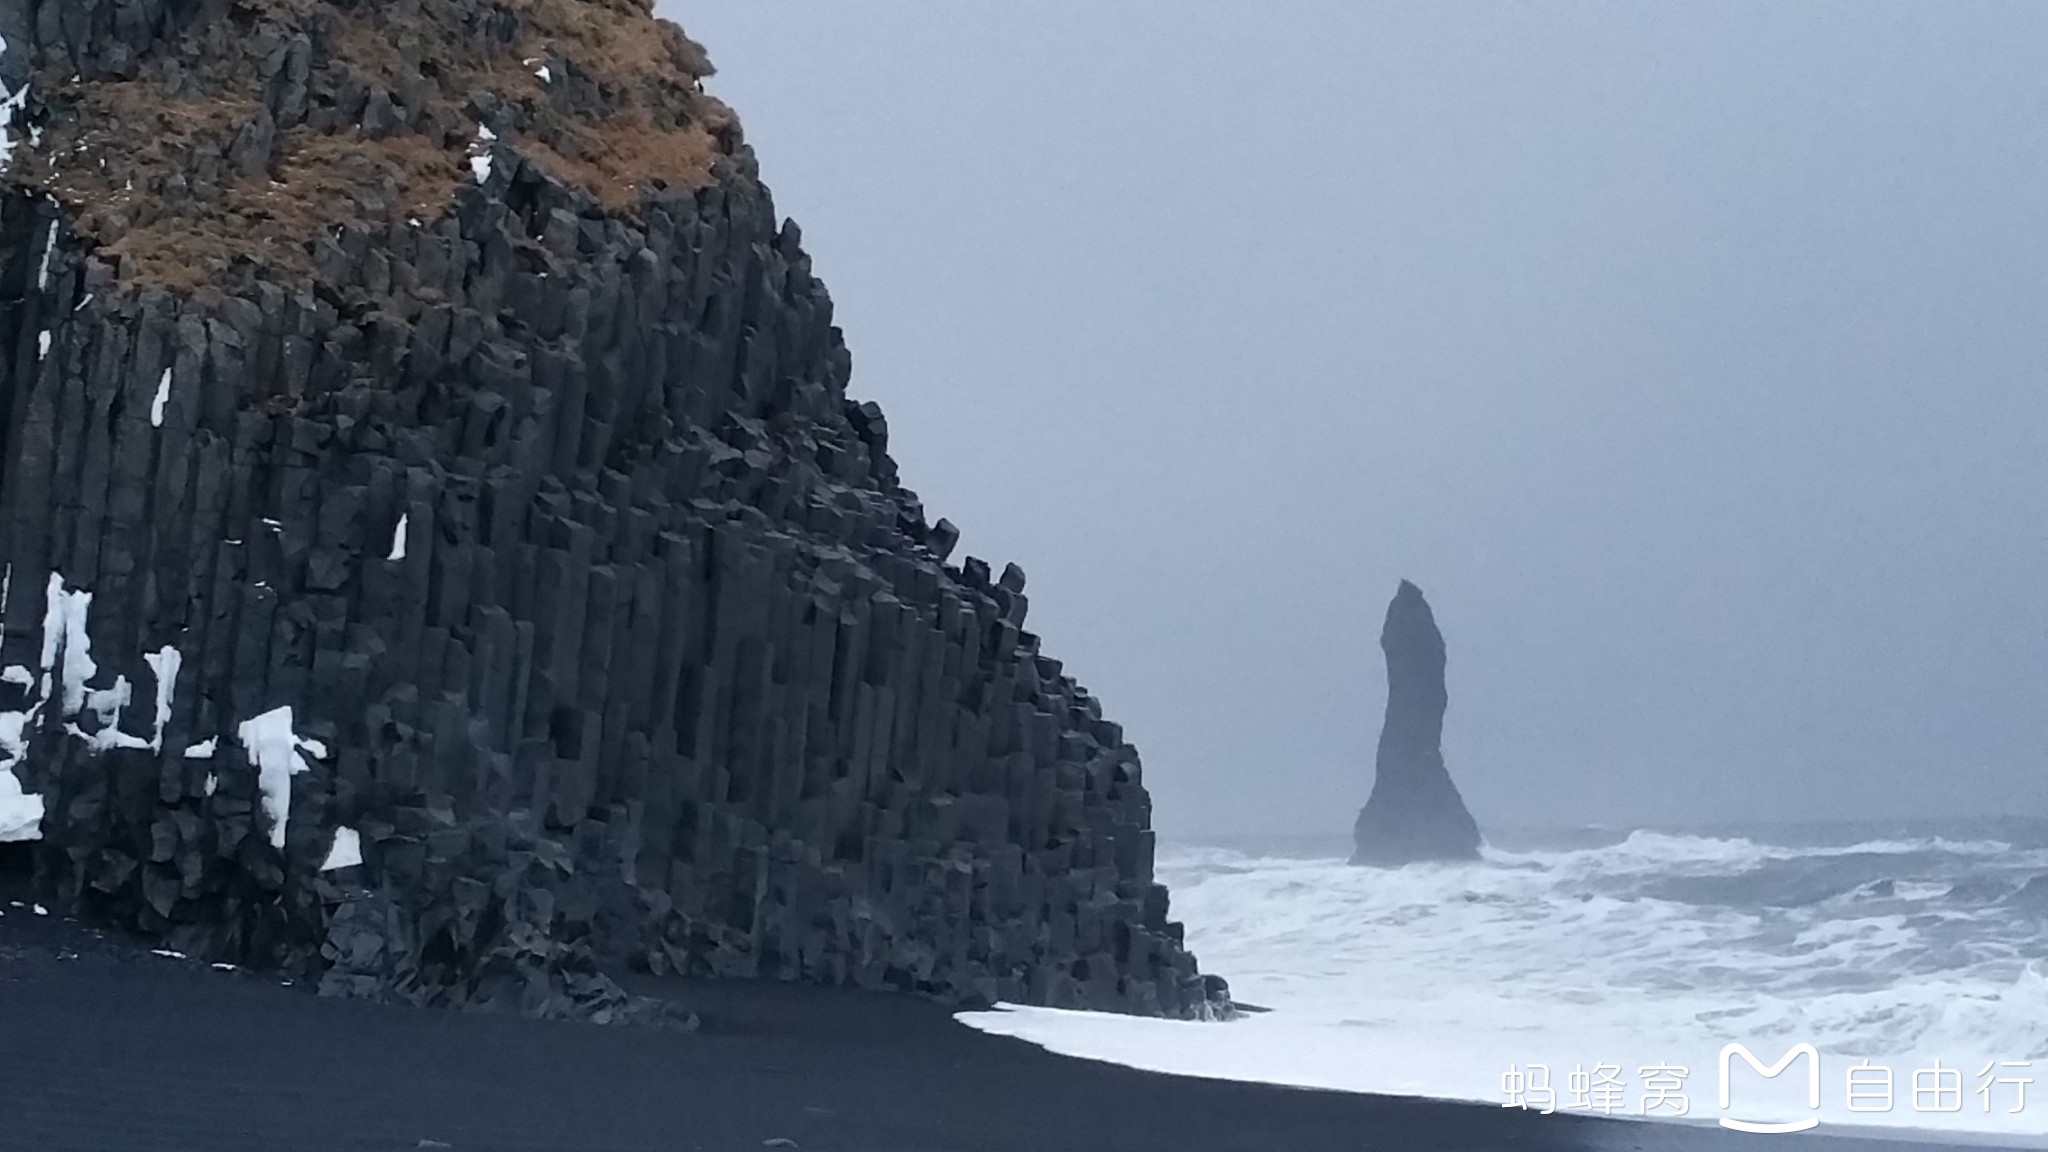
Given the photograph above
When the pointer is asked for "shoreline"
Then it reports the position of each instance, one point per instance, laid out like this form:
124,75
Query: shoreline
1136,1043
111,1048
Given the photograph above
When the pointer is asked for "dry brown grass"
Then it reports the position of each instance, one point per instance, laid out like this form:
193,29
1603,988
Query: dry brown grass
323,180
409,173
148,177
618,158
620,35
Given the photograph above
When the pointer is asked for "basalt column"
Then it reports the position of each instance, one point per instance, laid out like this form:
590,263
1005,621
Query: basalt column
438,541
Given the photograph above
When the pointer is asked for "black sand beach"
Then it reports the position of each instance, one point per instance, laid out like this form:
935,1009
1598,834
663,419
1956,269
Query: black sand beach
109,1048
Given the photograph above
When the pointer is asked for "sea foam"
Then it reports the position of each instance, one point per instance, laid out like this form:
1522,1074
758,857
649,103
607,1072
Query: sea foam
1658,949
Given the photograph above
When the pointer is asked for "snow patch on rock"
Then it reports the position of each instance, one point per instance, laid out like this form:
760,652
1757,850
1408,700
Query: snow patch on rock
49,250
21,813
163,395
275,748
106,704
67,665
347,851
165,662
480,154
64,615
13,106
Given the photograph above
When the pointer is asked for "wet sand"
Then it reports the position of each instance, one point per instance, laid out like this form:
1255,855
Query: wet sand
106,1047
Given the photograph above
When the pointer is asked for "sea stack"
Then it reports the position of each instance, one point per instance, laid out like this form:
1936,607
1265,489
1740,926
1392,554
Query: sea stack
1414,812
440,556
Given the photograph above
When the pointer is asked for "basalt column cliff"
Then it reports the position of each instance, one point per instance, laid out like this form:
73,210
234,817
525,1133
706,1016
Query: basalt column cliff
440,555
1414,812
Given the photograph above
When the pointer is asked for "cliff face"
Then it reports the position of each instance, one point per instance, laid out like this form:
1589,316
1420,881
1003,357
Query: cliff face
1414,812
439,547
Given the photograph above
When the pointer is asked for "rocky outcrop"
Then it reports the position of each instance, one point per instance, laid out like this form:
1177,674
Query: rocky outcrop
1414,812
441,555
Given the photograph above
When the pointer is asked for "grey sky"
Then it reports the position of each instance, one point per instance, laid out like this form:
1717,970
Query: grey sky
1690,357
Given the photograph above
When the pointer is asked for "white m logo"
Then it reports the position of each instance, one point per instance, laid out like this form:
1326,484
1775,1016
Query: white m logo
1756,1065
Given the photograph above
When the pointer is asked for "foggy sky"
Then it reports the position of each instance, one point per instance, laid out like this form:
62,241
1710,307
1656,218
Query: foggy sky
1690,358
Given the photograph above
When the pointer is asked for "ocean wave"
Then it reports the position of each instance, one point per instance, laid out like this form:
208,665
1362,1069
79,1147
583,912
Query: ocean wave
1656,947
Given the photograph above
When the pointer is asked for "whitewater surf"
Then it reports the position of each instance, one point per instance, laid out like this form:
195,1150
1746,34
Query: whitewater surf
1913,955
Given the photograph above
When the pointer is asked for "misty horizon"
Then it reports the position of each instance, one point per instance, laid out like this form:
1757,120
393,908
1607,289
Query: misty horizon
1687,358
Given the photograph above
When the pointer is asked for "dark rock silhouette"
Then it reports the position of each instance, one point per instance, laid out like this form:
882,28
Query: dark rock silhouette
1414,812
439,554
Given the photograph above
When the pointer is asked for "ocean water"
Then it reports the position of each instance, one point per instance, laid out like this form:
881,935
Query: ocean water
1908,948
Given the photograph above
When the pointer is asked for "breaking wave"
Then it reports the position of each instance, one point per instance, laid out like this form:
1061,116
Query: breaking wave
1653,948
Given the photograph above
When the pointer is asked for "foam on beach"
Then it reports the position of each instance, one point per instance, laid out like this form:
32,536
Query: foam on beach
1657,950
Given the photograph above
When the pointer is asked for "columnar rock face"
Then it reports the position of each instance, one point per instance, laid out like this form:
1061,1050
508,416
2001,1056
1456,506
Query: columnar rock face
1414,812
440,553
